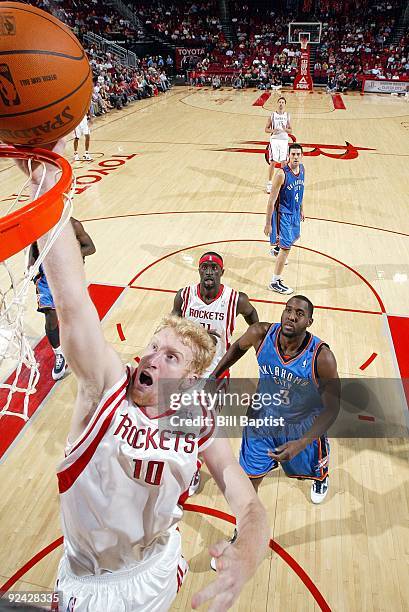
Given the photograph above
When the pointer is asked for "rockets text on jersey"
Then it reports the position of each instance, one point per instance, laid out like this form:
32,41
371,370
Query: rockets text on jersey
219,315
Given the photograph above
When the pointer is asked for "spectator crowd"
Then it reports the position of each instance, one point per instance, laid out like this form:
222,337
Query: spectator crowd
357,40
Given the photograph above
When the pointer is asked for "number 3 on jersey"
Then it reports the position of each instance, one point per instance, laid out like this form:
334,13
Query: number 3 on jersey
149,471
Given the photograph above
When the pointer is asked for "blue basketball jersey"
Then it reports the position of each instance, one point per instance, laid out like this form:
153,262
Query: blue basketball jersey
292,191
290,384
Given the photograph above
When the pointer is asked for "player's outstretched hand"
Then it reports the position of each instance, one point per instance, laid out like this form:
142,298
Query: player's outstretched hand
234,568
287,451
267,229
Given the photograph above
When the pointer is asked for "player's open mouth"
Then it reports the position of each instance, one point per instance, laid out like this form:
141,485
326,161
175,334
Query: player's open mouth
145,379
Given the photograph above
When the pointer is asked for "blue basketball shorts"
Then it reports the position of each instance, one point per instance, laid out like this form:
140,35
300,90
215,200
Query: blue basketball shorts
285,229
44,297
311,463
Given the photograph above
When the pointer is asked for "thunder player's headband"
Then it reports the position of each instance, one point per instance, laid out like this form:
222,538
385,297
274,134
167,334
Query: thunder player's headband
213,258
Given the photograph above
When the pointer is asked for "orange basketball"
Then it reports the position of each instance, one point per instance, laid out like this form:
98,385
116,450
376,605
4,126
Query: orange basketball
45,76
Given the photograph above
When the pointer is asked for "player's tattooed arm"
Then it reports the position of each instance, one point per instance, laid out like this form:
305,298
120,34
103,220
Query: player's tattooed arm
177,304
278,181
246,309
251,338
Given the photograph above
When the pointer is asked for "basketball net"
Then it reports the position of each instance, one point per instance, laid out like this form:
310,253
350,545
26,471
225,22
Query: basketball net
19,370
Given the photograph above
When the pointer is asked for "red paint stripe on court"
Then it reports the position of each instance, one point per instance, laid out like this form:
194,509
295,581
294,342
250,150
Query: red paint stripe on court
103,296
262,99
291,562
338,102
399,327
30,564
120,332
368,361
363,417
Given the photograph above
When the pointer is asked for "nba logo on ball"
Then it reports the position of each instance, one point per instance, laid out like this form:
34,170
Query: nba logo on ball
45,76
8,91
7,25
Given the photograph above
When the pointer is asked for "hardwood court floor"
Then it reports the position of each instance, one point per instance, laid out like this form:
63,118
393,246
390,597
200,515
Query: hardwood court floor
192,173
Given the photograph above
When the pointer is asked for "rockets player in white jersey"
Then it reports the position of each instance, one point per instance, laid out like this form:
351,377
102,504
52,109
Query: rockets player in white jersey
279,127
214,306
124,472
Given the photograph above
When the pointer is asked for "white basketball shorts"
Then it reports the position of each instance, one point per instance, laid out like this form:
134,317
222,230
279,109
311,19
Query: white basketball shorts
277,150
150,587
82,128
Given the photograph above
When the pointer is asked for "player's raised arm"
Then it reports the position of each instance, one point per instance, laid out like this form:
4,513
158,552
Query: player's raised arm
96,364
246,309
278,181
251,337
236,563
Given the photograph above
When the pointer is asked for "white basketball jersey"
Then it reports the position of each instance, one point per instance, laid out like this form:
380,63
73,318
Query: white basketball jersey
219,315
121,482
279,121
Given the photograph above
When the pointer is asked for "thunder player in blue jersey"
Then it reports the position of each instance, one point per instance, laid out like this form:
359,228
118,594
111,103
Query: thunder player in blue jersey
285,213
298,375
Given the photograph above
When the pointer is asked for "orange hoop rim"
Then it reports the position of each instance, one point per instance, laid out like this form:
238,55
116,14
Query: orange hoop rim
24,226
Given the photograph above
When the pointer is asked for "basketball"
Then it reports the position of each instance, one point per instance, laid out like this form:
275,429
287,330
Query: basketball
45,76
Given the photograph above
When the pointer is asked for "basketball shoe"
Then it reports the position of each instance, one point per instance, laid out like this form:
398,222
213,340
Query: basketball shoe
279,287
60,366
319,490
87,157
232,540
76,157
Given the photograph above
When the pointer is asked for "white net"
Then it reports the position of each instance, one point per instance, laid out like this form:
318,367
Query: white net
19,370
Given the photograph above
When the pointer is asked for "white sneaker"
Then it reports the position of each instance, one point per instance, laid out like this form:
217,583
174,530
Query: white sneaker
279,287
319,490
213,560
60,366
76,157
269,186
195,484
87,157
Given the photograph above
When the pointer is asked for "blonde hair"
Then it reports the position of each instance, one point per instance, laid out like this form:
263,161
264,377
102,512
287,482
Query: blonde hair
195,337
